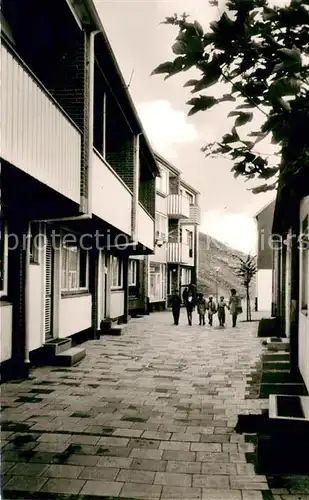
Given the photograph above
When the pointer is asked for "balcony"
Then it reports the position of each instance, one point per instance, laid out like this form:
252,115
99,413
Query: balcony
37,136
178,207
195,214
178,253
145,228
111,198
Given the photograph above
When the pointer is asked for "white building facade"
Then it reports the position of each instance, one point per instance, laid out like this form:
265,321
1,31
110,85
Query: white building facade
78,180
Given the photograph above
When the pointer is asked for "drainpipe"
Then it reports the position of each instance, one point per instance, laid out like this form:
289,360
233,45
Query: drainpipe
89,125
27,296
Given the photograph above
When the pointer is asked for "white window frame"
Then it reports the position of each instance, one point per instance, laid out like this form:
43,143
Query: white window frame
304,253
4,264
132,272
78,288
119,275
161,223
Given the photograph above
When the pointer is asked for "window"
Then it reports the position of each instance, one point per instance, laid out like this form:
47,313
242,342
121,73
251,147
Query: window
190,197
190,239
74,268
162,182
305,264
117,281
3,257
161,226
185,276
132,273
35,242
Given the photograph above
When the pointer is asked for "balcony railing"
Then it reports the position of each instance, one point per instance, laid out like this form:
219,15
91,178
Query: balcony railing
37,136
145,228
109,193
178,253
178,207
195,214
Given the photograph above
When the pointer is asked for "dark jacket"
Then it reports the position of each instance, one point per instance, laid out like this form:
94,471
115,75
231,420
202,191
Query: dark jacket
175,301
190,304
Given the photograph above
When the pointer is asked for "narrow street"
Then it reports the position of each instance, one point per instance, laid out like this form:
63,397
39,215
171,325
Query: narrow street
148,415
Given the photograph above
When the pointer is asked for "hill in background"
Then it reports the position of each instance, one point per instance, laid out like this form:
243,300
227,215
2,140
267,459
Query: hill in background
213,254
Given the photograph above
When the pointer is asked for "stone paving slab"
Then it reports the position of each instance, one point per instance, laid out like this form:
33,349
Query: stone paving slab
150,415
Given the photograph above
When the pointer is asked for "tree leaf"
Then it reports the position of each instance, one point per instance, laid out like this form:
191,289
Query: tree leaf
201,104
180,47
283,87
243,118
212,75
198,28
269,14
230,138
245,106
178,65
227,97
163,68
233,113
190,83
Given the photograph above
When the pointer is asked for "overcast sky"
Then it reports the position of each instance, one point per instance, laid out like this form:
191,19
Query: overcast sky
140,43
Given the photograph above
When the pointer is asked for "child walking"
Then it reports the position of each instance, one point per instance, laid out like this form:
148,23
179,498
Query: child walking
211,307
201,308
221,311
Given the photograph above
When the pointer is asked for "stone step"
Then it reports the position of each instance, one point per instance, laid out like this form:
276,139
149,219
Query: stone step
276,357
70,357
56,346
116,330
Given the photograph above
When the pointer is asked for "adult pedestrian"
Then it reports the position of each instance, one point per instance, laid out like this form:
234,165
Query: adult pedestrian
176,303
221,311
190,307
212,309
234,306
201,308
185,296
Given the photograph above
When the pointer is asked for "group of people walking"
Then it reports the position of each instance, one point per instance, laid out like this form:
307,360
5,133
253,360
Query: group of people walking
208,307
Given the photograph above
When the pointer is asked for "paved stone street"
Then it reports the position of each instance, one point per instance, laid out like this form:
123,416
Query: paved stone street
148,415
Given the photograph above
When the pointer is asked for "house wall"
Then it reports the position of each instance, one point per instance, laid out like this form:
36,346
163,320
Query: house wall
116,303
264,289
6,330
303,320
160,254
74,314
264,228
